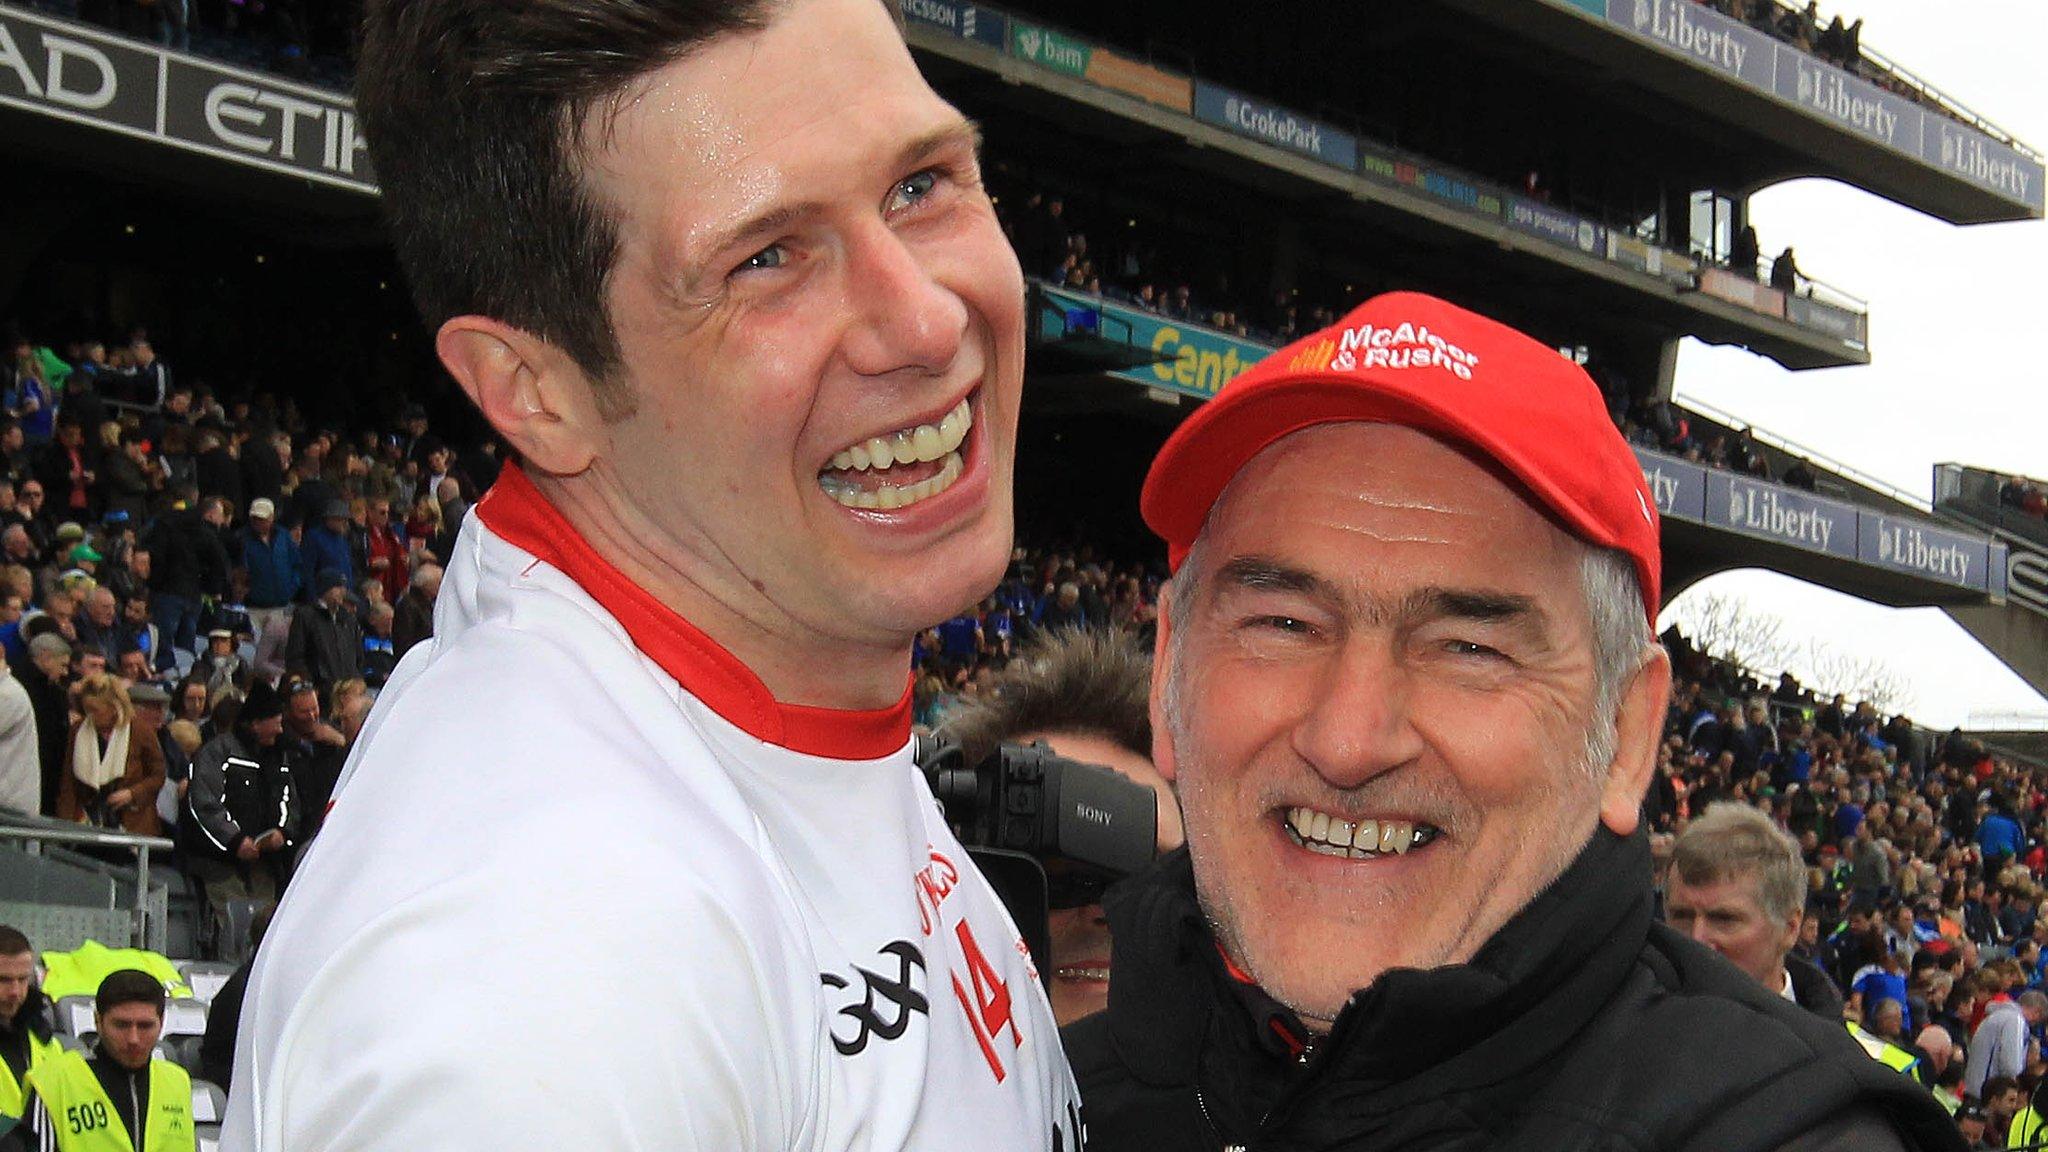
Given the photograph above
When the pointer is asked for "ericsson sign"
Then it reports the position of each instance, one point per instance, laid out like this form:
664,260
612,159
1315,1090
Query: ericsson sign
85,75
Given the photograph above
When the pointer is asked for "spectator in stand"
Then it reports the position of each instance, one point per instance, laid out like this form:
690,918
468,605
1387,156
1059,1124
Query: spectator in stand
413,617
1065,611
2003,1044
326,642
1738,885
272,560
382,551
189,565
325,548
21,763
112,776
216,469
1999,837
65,467
1785,272
221,665
47,678
137,630
448,493
224,1014
126,485
1744,254
242,812
380,655
318,749
151,721
265,459
150,382
100,626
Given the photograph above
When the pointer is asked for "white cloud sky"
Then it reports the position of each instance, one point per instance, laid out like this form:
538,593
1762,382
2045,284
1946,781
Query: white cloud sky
1957,374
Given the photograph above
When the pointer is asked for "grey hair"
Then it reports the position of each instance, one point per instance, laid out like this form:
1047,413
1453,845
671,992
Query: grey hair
1622,639
1731,840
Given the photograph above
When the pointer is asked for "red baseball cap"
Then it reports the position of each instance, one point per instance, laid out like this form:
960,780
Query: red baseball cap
1409,359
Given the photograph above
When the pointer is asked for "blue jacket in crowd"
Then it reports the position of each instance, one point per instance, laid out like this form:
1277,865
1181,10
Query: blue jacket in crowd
324,549
274,578
2000,835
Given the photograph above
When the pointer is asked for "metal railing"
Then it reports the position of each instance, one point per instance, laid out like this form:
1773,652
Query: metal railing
33,832
1946,103
1792,447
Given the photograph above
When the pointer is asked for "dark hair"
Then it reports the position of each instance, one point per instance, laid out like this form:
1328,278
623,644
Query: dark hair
1094,680
13,943
474,112
129,986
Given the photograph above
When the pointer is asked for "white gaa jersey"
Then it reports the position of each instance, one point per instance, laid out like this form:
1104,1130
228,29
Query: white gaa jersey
587,885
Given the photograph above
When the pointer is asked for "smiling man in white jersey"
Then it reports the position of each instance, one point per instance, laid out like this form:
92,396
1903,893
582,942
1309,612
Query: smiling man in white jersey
725,277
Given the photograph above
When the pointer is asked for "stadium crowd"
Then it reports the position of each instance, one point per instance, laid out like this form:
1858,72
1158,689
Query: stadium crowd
2025,495
198,601
1924,859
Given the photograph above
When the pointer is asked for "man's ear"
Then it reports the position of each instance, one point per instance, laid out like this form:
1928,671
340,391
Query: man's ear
1162,732
532,392
1638,726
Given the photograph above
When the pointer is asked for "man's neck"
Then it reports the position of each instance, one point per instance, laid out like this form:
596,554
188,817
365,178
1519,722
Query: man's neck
797,663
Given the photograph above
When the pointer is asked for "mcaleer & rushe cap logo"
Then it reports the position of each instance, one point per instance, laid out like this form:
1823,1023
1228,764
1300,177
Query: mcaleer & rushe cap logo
1401,346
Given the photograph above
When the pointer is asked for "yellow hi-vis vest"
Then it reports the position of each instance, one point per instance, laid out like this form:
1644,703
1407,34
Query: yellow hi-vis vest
14,1097
1888,1053
2026,1128
85,1120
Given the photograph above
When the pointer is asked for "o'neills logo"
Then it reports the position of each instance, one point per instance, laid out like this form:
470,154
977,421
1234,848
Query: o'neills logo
1403,346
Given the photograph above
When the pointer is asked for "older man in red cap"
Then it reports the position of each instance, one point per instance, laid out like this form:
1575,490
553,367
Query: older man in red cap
1409,692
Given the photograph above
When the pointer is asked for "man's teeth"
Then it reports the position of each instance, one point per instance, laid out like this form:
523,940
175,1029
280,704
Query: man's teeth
917,445
1330,836
924,442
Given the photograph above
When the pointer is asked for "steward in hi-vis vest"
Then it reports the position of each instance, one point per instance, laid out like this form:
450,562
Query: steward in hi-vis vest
26,1038
122,1099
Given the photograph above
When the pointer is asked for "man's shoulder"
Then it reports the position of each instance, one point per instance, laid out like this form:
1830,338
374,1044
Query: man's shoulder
1689,1017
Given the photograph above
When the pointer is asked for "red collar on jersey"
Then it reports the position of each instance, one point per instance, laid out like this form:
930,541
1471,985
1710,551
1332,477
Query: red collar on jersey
518,513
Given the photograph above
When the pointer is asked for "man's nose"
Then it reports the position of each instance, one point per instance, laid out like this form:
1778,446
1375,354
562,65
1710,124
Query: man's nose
1359,724
904,317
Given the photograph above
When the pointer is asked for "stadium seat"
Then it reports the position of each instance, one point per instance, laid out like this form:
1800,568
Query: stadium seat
74,1015
209,1103
185,1018
184,1052
206,977
209,1106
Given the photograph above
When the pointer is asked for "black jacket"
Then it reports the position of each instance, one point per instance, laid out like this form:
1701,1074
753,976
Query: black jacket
238,790
187,557
1581,1025
1812,990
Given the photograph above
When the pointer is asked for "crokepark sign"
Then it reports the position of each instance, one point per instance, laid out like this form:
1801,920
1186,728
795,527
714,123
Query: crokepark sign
89,76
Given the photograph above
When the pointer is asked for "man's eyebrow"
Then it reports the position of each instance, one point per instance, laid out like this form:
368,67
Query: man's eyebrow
1262,574
1471,604
962,133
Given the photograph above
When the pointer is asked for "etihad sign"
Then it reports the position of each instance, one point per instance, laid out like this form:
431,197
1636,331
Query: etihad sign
1402,347
1671,21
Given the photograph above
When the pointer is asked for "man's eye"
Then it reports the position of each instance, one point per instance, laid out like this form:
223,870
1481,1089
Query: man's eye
766,260
1469,648
1290,624
911,189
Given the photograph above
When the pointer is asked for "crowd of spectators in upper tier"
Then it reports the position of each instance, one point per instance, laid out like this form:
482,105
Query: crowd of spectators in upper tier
1834,41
